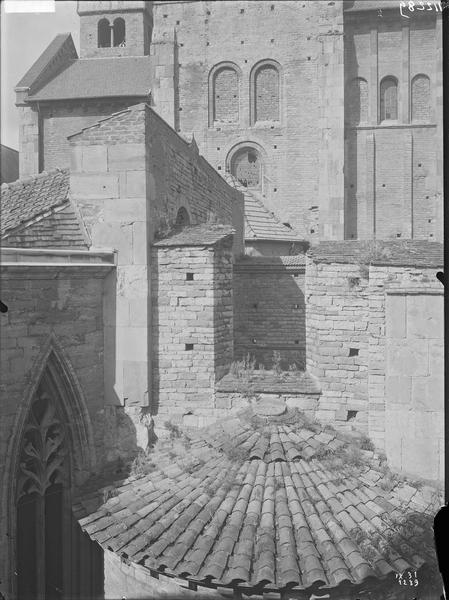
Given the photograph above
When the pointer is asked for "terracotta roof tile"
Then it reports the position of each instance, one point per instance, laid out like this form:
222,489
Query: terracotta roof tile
255,514
27,198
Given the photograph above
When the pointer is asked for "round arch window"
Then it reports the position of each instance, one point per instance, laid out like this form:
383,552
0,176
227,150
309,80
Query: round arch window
246,166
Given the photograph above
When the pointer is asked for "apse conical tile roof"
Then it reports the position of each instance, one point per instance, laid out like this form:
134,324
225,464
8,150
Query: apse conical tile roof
263,502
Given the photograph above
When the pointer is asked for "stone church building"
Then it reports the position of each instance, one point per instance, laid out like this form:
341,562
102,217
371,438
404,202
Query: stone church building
222,335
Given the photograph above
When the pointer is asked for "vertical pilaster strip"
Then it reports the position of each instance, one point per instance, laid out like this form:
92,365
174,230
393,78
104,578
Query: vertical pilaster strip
407,187
404,85
370,186
374,83
437,117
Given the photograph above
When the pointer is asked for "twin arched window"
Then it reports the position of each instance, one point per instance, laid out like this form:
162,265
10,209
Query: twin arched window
224,93
111,34
357,99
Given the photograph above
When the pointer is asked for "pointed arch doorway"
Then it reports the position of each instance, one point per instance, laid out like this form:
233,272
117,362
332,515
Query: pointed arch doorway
54,559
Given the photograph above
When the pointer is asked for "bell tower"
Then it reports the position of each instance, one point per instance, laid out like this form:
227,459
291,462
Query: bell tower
115,28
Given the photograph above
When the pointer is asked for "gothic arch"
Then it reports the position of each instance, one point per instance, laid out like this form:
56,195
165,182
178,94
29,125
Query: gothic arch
224,93
51,376
265,96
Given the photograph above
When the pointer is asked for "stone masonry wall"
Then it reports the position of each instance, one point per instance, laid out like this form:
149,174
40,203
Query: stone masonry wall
138,27
179,176
130,175
64,118
61,308
269,312
108,183
393,168
191,327
337,316
375,345
406,368
294,34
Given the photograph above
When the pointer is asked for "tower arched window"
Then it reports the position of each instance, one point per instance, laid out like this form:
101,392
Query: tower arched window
421,98
224,94
357,101
389,99
265,91
104,34
119,32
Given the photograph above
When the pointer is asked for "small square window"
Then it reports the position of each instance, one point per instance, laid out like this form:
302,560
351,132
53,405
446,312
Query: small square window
353,351
189,346
189,276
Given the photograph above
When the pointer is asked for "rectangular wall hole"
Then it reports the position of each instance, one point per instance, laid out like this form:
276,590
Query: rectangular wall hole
351,415
353,351
189,347
189,276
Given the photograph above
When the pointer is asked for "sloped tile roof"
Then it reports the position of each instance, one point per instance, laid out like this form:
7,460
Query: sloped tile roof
259,502
197,235
260,223
45,58
404,252
126,76
27,198
60,227
363,5
270,264
9,164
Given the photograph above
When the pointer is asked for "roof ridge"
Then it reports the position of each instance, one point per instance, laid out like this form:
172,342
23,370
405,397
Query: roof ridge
28,180
98,123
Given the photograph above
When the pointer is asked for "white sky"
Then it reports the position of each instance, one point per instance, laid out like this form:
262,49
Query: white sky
24,36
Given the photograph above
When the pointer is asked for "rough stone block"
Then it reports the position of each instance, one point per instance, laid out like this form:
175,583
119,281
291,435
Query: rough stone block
427,393
411,358
125,210
425,316
398,389
396,317
124,157
135,382
88,186
135,184
94,158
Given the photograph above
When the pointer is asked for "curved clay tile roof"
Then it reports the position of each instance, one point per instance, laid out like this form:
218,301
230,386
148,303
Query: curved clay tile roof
256,503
